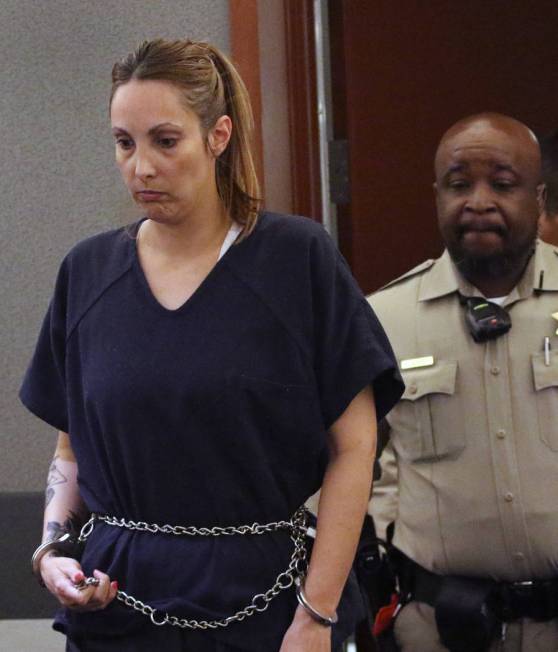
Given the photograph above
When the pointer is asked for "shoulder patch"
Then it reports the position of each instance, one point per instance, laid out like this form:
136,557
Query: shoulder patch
427,264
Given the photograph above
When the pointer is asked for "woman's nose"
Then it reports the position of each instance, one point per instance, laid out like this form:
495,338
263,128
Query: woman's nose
143,165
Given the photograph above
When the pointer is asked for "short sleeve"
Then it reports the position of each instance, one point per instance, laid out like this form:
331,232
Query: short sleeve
43,391
352,349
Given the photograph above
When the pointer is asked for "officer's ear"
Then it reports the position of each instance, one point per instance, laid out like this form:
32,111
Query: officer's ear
541,197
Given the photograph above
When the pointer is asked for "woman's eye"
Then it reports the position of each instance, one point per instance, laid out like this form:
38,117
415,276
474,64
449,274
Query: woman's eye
167,143
124,143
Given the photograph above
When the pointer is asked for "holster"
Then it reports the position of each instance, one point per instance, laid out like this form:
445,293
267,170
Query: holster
373,567
465,621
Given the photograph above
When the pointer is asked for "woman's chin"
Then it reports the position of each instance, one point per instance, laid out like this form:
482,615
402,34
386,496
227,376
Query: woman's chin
159,215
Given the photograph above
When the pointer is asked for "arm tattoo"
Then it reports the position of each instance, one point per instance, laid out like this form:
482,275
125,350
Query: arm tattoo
75,520
55,476
55,530
72,525
49,493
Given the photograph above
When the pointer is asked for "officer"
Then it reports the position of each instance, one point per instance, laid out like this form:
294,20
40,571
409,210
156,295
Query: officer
470,473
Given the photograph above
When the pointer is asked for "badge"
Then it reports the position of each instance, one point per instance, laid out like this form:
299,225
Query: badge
417,363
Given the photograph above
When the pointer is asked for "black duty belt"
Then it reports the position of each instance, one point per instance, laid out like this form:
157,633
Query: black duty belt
509,601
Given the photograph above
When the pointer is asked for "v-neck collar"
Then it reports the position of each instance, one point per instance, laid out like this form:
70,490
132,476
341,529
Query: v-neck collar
231,236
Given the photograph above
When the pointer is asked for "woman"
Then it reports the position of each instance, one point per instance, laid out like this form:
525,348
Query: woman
199,384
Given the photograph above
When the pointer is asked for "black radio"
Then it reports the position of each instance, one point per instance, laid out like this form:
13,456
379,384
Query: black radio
486,320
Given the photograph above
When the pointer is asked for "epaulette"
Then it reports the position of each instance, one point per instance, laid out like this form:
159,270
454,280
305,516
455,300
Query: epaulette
427,264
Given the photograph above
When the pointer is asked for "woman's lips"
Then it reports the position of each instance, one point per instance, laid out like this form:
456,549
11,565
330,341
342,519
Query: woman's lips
149,195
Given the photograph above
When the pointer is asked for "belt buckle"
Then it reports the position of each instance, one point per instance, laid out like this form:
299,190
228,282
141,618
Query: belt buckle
524,590
535,599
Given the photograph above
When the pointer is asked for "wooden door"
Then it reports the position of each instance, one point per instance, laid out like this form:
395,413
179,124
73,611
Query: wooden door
402,73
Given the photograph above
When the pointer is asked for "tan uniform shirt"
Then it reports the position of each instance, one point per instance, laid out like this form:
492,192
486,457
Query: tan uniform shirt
471,472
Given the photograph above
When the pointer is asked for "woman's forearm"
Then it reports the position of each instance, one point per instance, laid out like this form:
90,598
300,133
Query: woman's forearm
62,498
343,502
61,574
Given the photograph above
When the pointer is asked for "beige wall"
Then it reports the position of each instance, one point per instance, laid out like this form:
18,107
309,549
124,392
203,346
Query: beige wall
57,176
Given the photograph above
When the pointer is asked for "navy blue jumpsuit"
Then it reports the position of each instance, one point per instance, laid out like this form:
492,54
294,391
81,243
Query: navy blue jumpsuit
212,414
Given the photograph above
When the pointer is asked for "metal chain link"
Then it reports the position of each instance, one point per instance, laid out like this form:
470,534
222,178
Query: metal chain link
297,567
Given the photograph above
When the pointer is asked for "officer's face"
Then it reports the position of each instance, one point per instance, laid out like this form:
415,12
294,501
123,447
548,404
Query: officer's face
487,195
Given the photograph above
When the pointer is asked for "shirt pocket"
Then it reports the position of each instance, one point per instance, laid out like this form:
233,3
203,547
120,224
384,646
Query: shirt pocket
427,424
546,389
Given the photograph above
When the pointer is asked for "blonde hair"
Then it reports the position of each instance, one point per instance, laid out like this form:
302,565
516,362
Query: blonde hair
211,87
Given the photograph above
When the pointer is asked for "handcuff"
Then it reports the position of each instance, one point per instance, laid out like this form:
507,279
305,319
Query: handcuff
326,621
65,546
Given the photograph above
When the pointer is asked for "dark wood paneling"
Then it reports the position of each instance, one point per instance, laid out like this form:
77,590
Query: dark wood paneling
245,53
303,118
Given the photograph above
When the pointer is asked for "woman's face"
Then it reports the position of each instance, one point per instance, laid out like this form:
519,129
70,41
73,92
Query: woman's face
166,162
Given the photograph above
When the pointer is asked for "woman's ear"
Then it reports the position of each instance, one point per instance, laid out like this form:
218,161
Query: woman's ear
219,135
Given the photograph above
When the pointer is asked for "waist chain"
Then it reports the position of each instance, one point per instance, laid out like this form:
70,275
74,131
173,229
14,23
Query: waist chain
296,527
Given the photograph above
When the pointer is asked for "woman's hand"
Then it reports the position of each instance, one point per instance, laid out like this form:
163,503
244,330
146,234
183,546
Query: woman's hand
306,635
61,574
